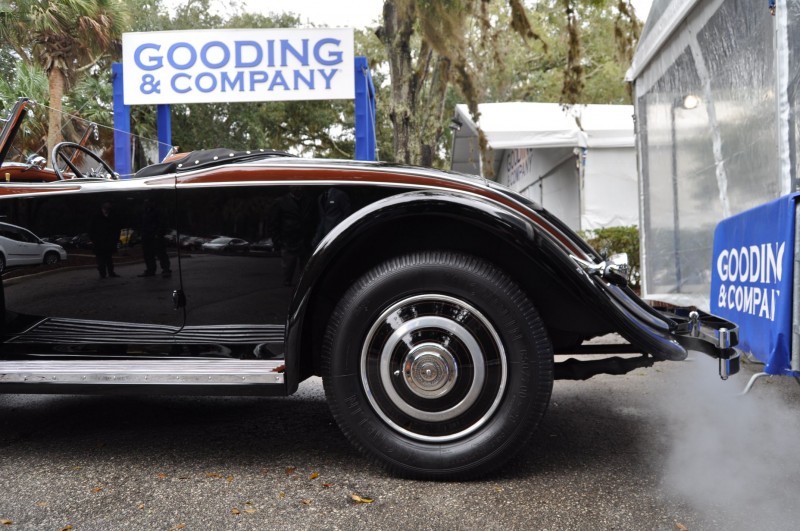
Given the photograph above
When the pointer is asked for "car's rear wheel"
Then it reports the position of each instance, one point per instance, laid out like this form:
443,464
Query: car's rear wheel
437,365
51,258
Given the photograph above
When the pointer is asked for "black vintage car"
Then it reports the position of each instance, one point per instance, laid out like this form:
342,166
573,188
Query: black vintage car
432,307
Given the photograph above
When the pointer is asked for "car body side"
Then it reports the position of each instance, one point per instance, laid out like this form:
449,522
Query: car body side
398,210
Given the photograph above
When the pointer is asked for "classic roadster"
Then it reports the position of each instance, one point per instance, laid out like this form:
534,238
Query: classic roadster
431,304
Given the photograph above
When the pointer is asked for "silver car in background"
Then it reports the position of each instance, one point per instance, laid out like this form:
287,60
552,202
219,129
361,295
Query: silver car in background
19,246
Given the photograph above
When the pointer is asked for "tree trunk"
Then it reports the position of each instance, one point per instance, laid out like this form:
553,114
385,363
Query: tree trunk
418,90
56,83
398,27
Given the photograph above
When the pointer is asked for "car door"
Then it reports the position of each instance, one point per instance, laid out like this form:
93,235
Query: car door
98,302
237,301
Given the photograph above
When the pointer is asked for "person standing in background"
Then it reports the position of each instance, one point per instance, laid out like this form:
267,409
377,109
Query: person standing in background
104,233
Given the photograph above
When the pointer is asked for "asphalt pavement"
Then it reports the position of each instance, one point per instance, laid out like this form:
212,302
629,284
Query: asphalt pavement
663,448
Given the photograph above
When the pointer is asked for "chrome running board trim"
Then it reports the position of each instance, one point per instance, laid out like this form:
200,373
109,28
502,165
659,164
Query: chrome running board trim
54,330
144,372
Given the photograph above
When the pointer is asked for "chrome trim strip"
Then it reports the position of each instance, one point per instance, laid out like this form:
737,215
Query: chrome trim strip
143,372
77,331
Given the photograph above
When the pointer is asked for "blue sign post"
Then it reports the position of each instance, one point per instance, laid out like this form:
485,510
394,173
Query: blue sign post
365,112
122,124
164,128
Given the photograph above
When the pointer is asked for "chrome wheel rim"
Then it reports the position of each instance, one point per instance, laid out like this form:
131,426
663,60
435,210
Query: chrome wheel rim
433,368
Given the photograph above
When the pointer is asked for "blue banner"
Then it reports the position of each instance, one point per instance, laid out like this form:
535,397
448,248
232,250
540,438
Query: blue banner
751,282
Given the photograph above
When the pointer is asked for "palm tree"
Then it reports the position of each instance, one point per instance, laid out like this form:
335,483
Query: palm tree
65,38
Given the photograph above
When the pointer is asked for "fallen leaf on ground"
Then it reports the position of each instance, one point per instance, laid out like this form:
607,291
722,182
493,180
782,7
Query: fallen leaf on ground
161,476
41,504
140,506
281,494
3,521
305,502
229,479
681,527
235,511
97,489
290,470
327,485
67,527
314,475
360,499
251,510
213,475
176,527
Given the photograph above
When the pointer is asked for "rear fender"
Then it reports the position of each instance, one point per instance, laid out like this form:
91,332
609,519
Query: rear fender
509,226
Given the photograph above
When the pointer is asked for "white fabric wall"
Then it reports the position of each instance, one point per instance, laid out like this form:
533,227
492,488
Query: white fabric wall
548,176
610,195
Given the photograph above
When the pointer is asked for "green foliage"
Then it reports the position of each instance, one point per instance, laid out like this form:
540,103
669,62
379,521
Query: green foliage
63,36
565,51
29,80
23,79
529,71
613,240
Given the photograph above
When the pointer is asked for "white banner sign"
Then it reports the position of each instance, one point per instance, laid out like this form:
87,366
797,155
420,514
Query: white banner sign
205,66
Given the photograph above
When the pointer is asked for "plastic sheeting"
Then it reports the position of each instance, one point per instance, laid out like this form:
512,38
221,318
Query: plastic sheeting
723,150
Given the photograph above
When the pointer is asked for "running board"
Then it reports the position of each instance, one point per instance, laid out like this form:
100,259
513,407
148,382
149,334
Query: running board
149,372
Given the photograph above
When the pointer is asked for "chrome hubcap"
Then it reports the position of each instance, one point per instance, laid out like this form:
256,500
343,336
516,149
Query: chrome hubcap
430,371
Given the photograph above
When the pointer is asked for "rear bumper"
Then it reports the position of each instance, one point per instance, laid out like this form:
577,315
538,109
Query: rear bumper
703,332
673,334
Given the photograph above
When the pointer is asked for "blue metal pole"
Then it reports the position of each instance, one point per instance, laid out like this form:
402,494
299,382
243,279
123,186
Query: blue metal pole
122,124
364,111
372,136
164,128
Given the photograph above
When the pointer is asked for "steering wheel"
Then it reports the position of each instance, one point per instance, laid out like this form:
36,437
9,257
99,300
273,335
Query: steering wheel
61,152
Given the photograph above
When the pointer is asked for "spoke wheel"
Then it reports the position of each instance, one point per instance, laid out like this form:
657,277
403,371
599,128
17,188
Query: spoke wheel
437,365
51,258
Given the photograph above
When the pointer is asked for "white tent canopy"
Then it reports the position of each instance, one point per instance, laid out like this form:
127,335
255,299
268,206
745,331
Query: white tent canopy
517,125
579,162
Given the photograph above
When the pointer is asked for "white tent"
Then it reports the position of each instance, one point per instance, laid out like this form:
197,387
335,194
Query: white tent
716,89
579,162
